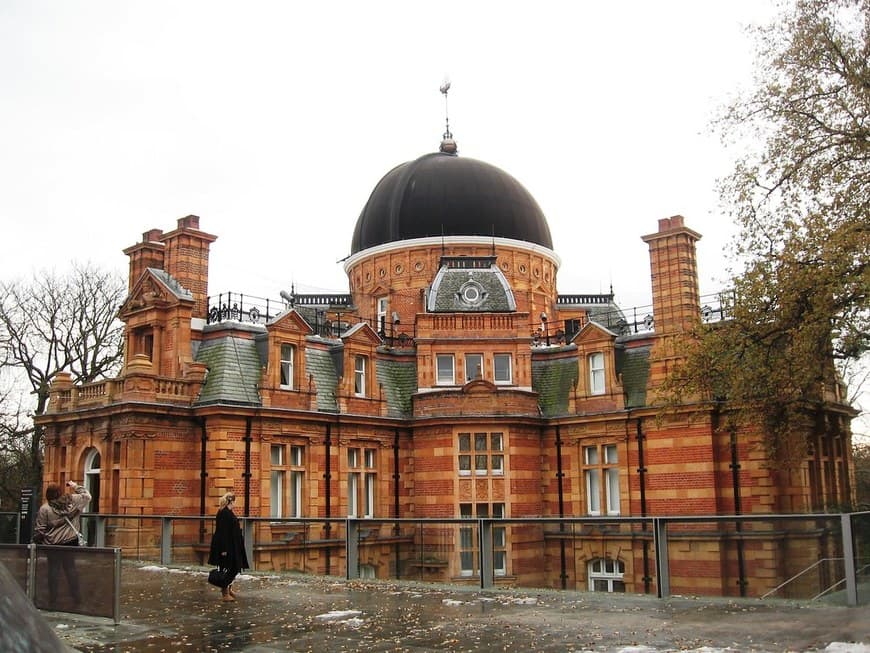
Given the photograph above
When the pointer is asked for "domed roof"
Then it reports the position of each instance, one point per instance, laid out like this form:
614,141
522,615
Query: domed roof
441,194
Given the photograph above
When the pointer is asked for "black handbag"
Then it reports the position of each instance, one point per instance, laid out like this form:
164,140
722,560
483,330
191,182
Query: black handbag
218,577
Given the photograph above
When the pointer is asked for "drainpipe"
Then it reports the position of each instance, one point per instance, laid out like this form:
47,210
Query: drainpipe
203,475
396,475
735,482
641,471
396,530
327,475
247,474
563,573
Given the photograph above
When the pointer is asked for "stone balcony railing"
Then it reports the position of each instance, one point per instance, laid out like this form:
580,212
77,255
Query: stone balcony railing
137,383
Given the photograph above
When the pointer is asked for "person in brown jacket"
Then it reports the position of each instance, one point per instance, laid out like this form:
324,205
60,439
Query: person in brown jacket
58,523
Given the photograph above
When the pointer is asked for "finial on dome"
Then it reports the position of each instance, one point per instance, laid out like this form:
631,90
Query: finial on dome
448,145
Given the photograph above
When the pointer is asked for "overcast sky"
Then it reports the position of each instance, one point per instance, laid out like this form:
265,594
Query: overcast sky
273,121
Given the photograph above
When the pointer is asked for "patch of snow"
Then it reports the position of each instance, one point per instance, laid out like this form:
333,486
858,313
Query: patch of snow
451,602
527,600
62,626
847,647
334,615
153,568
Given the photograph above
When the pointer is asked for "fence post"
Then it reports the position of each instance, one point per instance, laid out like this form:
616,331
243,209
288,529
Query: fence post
663,574
351,544
249,542
99,530
116,607
30,588
484,530
849,560
165,540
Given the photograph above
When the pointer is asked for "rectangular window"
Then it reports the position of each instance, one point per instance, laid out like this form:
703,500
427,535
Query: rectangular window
297,480
488,456
596,374
383,305
601,479
464,454
352,493
369,495
361,484
502,368
276,481
467,548
444,369
370,479
288,356
359,376
473,367
499,542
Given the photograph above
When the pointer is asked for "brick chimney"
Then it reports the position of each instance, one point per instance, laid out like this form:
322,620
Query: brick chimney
676,298
186,259
146,254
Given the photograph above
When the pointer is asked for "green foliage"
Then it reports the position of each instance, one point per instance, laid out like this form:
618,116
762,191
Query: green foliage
801,198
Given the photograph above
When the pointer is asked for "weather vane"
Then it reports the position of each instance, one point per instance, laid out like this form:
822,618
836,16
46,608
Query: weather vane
448,145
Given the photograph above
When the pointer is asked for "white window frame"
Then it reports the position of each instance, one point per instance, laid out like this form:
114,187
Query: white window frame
360,365
495,369
443,379
597,385
288,364
608,571
383,307
475,361
297,480
277,480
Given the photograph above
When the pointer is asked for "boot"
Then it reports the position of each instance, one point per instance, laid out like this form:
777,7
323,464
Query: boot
225,594
231,590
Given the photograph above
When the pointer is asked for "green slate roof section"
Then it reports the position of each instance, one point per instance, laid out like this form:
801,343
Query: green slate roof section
320,363
233,372
399,382
494,293
554,379
633,364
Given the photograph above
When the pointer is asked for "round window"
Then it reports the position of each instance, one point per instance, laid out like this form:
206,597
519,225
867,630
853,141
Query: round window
470,294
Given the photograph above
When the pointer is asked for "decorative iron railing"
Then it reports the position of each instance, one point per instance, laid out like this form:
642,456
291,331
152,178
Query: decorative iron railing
317,309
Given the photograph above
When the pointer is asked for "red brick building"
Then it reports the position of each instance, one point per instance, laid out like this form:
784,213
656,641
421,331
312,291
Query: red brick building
451,380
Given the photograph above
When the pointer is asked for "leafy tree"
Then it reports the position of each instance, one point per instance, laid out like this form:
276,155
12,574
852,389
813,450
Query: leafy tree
801,197
54,323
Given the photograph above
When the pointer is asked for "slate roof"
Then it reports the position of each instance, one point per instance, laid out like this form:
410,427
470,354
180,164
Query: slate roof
399,381
633,365
171,283
321,363
446,294
233,372
554,379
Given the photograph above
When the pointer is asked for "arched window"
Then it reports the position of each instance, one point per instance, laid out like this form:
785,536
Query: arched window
92,478
606,575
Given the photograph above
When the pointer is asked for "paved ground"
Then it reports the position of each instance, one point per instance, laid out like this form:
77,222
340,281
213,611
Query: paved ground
175,610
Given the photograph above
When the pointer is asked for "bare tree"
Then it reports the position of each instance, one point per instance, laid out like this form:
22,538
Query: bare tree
58,323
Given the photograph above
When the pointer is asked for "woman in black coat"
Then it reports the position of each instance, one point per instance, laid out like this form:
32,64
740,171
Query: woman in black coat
228,545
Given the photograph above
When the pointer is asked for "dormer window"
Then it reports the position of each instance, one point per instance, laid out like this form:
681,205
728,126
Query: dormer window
596,373
359,375
288,358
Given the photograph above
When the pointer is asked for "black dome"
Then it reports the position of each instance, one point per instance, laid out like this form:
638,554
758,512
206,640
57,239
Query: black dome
446,195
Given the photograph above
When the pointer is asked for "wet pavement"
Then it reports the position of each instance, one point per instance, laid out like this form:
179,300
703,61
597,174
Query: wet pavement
174,609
